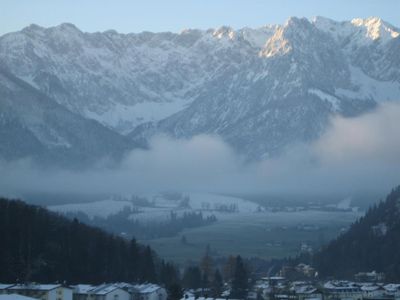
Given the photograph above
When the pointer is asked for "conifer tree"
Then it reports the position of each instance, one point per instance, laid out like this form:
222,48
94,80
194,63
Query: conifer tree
217,284
240,280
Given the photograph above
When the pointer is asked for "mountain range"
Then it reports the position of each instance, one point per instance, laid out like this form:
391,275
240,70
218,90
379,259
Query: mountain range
75,96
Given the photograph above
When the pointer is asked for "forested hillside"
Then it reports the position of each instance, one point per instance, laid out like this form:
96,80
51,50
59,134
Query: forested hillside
372,243
38,245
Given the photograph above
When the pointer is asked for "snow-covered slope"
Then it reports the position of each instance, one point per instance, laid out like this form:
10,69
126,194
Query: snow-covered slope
122,80
259,89
305,72
33,125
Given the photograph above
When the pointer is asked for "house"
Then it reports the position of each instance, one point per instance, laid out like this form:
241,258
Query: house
15,297
393,290
307,292
342,290
369,277
128,287
149,291
274,281
4,288
81,291
42,291
101,292
373,292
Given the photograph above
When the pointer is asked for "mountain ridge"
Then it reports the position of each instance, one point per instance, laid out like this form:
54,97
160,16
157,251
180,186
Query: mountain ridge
261,89
35,126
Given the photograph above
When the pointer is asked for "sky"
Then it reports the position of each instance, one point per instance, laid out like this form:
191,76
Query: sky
175,15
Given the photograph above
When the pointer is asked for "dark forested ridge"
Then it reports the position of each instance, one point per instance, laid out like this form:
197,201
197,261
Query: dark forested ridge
38,245
371,243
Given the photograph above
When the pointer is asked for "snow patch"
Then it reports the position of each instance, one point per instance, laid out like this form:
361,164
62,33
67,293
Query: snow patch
335,102
375,28
124,118
366,87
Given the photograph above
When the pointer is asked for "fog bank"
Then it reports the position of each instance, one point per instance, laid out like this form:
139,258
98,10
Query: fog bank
354,154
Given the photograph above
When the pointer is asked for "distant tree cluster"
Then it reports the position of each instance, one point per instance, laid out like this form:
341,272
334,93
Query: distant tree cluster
220,207
122,222
38,245
372,243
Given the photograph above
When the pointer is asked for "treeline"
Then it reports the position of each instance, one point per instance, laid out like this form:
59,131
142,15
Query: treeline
207,279
372,243
38,245
122,222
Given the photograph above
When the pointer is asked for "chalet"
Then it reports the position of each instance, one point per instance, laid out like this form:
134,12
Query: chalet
149,291
81,291
373,292
342,290
393,290
100,292
42,291
369,277
274,281
307,292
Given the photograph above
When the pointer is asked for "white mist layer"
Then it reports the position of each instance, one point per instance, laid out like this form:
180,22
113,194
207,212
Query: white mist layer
354,154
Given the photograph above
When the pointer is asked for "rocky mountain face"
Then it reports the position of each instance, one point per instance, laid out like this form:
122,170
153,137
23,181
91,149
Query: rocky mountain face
35,126
261,89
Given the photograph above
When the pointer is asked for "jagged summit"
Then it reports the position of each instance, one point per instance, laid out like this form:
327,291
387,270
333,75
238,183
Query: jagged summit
296,21
375,28
296,33
33,27
67,26
360,31
324,23
224,32
60,27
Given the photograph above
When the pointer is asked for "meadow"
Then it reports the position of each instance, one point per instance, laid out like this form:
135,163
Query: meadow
265,235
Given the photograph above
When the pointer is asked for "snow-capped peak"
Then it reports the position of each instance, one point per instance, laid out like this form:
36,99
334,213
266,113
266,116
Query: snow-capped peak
67,27
224,31
297,31
323,23
277,44
296,21
376,29
32,27
259,36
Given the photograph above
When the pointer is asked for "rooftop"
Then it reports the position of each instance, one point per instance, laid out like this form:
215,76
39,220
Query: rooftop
15,297
146,288
34,286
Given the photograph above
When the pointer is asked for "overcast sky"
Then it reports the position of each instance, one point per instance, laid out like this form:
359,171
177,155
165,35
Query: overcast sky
175,15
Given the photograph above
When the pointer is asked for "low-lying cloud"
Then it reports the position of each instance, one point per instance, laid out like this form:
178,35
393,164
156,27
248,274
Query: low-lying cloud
354,154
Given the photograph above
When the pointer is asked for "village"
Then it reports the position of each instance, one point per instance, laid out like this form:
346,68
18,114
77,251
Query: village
366,286
106,291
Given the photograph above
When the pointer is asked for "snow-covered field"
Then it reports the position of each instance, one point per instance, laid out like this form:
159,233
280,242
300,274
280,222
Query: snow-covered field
247,229
162,206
